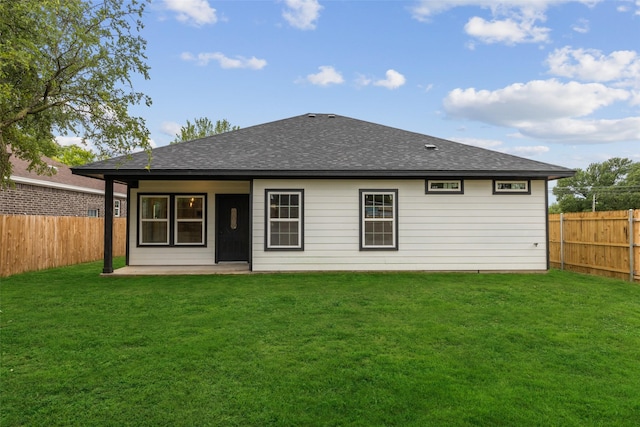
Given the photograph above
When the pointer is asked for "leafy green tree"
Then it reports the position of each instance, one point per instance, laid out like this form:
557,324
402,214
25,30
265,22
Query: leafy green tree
66,67
74,155
613,185
554,208
201,128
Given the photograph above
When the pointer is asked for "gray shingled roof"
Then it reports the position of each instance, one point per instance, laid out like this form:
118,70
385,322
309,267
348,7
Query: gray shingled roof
321,145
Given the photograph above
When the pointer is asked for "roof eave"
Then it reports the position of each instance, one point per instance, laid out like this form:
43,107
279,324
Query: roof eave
191,174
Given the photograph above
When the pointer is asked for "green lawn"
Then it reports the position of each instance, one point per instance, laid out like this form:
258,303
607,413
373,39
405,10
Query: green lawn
330,349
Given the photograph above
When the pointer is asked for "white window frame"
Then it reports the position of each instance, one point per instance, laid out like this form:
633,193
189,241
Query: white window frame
364,219
430,190
499,189
93,213
269,220
142,220
201,220
116,208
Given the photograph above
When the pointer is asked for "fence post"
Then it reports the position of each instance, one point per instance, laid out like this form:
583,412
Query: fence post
631,247
561,241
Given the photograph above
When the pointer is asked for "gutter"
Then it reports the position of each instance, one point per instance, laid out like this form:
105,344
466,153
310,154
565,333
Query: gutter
59,186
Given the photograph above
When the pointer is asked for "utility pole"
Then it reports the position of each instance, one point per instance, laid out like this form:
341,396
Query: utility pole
593,203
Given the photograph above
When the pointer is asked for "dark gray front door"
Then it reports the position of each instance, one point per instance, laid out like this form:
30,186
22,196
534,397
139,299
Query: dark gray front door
232,227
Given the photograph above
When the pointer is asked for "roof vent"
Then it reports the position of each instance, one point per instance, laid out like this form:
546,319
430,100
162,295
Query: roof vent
430,147
311,115
332,116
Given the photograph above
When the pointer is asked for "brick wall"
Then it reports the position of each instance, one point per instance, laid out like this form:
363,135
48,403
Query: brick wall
25,199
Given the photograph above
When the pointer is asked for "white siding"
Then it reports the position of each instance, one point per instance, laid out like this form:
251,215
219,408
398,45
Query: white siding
469,232
144,255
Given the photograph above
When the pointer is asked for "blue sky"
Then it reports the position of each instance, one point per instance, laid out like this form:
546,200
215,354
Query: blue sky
552,80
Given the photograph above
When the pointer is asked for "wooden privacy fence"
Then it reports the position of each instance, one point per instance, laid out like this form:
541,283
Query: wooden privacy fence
30,242
601,243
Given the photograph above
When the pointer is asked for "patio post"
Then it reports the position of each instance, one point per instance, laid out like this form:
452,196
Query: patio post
108,225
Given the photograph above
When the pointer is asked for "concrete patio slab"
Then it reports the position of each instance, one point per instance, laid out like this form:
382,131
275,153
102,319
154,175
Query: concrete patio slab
179,270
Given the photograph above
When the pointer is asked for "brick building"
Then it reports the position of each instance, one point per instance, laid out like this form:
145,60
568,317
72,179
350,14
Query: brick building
62,194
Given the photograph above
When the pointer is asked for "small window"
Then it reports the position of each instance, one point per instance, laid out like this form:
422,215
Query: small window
445,186
94,213
378,219
284,216
116,208
512,187
189,228
154,220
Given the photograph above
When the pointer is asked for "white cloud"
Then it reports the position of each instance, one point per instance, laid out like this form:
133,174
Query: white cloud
170,128
327,76
194,12
582,26
496,145
69,140
204,58
363,80
513,21
537,100
302,14
425,9
548,109
507,31
393,80
426,88
478,142
595,131
527,150
622,66
627,7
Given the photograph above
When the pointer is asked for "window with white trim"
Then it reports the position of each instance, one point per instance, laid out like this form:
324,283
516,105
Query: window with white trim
445,186
116,208
172,219
378,219
154,220
512,187
189,228
284,219
93,213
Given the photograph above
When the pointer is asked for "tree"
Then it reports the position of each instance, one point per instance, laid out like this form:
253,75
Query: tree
201,128
611,185
66,67
74,155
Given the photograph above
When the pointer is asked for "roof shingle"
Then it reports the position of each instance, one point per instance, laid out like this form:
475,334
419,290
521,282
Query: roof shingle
325,145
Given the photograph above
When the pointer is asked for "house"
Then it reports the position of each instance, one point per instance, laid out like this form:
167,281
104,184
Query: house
328,192
59,194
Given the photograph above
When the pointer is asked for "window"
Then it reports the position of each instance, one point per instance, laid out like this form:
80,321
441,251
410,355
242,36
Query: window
284,216
94,213
189,228
116,208
378,224
445,186
512,187
172,220
154,220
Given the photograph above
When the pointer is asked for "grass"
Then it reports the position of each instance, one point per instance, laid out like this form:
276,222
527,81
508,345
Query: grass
329,349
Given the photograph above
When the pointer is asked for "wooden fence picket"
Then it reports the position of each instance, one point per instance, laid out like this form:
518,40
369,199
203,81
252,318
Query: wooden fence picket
33,242
600,243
